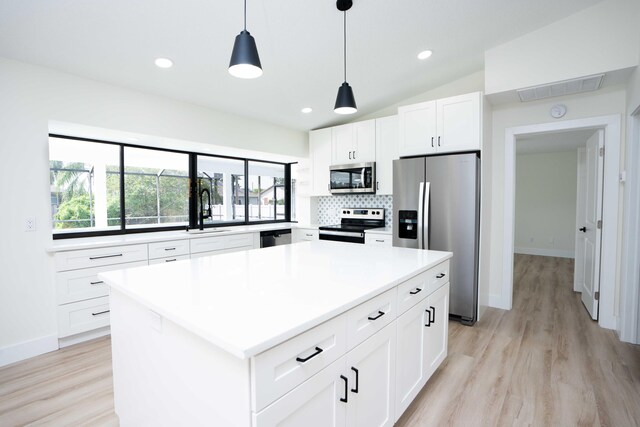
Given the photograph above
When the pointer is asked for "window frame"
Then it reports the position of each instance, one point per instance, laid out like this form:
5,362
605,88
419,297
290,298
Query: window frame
192,202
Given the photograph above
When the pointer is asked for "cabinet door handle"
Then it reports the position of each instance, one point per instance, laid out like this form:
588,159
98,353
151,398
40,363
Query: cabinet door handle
431,142
416,291
100,312
346,389
169,249
355,390
379,315
97,283
440,276
583,229
438,141
104,256
349,155
306,359
432,320
170,260
428,318
377,185
354,155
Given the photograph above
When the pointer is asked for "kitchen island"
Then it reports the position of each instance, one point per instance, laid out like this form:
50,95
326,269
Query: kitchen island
304,334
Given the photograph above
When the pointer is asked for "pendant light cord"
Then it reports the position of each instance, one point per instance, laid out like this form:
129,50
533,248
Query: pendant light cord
245,15
345,45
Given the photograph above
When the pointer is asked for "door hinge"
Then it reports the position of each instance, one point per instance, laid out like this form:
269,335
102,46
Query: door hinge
601,151
597,295
599,224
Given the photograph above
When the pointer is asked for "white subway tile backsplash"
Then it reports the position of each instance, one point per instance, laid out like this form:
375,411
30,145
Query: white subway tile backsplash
329,206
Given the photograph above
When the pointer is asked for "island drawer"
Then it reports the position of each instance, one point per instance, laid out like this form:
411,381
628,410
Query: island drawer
79,285
168,259
282,368
420,286
378,239
207,244
83,316
86,258
369,317
168,249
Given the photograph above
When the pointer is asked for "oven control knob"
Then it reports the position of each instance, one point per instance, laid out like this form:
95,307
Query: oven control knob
344,212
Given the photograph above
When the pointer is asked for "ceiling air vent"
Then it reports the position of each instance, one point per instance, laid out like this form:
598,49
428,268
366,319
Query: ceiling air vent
567,87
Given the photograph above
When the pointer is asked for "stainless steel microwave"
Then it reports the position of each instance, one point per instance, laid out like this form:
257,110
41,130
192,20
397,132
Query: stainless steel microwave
353,178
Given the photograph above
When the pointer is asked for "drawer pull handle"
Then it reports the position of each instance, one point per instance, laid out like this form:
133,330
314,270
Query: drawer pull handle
309,235
97,283
169,249
380,314
378,240
306,359
104,256
170,260
355,390
428,318
416,291
432,320
346,389
440,276
100,312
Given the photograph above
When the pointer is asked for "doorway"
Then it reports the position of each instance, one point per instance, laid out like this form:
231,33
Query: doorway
610,199
557,205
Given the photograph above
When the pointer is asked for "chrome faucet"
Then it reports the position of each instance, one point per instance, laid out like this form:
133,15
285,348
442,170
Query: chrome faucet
203,209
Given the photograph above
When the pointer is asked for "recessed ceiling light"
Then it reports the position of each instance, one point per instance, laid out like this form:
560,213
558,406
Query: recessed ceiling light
164,62
424,54
307,110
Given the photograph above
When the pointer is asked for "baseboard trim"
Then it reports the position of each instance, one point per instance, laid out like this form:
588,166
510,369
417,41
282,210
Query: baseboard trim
25,350
84,336
545,252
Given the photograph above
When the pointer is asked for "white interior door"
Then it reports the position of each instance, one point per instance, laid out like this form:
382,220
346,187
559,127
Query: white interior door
590,228
581,203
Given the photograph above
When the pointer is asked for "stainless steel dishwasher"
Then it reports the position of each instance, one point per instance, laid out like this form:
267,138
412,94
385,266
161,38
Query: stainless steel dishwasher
275,238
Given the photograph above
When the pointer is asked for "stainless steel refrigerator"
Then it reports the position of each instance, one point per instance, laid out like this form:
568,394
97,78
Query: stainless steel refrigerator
436,205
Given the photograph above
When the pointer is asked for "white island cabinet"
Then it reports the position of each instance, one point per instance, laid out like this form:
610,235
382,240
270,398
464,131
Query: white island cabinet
315,334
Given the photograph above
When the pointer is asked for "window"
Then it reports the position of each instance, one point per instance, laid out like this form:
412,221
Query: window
101,187
156,188
266,191
220,184
85,189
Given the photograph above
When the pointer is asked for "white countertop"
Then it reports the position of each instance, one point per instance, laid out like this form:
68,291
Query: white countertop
161,236
247,302
381,230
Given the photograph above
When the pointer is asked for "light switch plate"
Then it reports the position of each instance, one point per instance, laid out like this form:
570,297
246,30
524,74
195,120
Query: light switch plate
30,224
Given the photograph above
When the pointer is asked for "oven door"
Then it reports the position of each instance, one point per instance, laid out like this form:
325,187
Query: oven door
341,236
354,178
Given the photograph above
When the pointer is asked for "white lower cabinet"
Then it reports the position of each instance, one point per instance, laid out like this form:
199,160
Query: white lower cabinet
422,345
371,367
355,390
315,403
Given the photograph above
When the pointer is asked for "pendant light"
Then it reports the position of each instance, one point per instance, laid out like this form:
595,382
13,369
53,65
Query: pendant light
245,62
345,101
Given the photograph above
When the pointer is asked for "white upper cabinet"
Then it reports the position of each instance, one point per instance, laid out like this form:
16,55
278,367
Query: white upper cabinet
441,126
320,153
417,128
353,143
386,153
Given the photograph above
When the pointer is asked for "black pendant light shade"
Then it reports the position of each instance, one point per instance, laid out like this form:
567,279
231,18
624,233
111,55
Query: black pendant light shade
245,61
345,102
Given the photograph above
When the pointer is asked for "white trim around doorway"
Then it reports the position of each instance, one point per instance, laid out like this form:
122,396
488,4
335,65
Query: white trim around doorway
612,128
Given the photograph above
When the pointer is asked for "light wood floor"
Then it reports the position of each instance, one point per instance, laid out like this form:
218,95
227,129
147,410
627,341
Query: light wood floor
544,363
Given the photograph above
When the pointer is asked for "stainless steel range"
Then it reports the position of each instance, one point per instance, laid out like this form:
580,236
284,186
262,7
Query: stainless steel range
353,223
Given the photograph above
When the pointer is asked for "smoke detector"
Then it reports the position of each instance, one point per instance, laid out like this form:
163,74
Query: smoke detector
566,87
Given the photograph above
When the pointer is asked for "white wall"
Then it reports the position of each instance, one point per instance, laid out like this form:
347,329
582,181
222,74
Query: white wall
545,217
598,39
30,97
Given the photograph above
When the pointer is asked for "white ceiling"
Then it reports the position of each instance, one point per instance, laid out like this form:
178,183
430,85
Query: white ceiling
553,142
299,41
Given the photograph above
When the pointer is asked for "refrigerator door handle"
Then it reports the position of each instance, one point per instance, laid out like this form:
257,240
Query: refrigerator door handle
421,216
425,219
